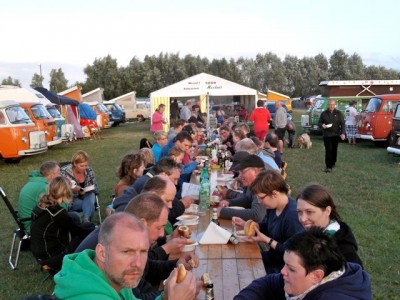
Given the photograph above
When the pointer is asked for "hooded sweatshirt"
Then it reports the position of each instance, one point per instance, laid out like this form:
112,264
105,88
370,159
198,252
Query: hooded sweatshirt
81,279
353,284
30,195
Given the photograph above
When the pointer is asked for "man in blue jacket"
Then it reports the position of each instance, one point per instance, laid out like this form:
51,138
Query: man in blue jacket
314,269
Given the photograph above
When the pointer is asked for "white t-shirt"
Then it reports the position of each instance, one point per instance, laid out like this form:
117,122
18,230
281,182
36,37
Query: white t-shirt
351,114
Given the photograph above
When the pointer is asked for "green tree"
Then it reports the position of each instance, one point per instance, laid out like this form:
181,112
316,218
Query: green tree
356,67
195,65
37,81
104,73
10,81
58,82
339,66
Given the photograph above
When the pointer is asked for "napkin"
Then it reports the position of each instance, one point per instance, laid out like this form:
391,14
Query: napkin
190,189
215,234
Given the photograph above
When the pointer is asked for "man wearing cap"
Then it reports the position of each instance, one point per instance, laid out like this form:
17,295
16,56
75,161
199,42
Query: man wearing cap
248,166
186,111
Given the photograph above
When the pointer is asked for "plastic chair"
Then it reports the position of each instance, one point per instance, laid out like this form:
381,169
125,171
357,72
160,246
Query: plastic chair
19,234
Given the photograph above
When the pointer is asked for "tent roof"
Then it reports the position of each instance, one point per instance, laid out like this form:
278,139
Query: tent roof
201,84
56,99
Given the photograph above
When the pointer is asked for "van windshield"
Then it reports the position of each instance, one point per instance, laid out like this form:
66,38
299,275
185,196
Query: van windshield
318,104
373,105
16,115
40,112
54,112
102,108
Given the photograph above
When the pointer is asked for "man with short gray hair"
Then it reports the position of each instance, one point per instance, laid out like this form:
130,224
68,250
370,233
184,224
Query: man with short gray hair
115,266
30,194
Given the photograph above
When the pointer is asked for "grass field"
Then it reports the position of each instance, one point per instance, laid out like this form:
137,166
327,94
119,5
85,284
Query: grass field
365,185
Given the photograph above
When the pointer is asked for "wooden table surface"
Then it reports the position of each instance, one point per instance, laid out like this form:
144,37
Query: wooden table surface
232,267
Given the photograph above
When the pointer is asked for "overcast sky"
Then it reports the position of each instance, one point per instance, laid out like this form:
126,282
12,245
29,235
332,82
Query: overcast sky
71,34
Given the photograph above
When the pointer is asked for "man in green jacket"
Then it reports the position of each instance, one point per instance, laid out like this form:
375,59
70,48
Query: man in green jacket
30,194
116,266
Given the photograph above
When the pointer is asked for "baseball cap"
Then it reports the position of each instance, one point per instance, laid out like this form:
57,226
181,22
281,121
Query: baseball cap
250,161
236,158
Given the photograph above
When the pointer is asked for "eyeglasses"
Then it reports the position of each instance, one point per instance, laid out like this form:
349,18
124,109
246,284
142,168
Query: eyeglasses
244,170
259,198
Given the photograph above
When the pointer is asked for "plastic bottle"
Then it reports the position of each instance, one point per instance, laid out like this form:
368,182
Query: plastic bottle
215,216
204,172
204,196
233,239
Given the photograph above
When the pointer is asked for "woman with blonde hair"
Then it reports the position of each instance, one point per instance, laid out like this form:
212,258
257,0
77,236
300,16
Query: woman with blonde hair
148,158
53,233
83,184
161,140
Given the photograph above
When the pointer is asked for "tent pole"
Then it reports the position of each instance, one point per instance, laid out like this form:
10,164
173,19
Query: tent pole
208,111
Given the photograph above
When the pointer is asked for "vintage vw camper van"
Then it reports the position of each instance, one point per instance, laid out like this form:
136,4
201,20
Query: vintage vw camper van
19,136
103,118
35,110
376,121
395,136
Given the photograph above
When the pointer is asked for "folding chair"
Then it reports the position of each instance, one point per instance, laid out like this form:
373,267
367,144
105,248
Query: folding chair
19,233
97,207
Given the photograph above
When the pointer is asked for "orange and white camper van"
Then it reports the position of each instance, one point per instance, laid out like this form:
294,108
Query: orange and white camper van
35,110
19,136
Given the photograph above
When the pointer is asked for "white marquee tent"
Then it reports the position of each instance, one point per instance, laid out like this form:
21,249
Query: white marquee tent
208,89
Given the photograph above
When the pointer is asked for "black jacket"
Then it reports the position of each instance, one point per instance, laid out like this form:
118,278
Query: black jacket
336,119
347,243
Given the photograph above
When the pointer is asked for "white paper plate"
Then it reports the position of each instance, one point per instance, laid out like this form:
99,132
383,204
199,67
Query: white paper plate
236,207
191,223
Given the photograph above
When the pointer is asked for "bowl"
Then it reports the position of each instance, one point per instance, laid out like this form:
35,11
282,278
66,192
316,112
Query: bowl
192,209
188,219
190,246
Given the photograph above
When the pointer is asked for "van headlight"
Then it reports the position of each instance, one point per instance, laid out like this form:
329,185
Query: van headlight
24,139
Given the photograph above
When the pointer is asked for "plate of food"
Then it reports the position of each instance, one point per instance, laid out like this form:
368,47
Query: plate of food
188,219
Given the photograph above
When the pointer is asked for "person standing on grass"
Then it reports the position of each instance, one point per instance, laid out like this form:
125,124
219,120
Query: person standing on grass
158,119
280,123
351,122
260,117
333,128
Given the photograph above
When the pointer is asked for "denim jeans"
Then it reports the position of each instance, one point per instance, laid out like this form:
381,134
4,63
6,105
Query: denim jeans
85,204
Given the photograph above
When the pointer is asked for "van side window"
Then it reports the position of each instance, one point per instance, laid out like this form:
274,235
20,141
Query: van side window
2,119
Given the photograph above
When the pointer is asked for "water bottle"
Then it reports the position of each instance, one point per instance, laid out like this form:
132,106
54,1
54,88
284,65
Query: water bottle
204,173
204,196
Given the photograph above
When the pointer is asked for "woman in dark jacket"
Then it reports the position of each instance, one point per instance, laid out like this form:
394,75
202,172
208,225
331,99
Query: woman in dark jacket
53,232
315,207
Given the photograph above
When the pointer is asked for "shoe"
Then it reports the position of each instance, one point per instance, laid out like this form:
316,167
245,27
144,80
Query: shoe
328,170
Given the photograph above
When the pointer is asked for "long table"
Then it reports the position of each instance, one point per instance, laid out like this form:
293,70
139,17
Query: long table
232,267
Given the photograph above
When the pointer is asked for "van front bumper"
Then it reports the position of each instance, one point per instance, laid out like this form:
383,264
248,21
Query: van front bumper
55,141
393,150
32,151
370,138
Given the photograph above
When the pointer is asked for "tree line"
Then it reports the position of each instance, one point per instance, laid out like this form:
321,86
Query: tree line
292,76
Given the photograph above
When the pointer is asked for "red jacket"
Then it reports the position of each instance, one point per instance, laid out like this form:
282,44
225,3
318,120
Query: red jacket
260,116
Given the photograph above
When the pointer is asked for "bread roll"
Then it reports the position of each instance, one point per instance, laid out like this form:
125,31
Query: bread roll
184,231
249,228
181,273
192,262
206,279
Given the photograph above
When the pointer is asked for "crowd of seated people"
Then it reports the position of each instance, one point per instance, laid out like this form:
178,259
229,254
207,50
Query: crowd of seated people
148,187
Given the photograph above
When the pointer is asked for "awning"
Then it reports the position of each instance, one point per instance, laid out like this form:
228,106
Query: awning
56,99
